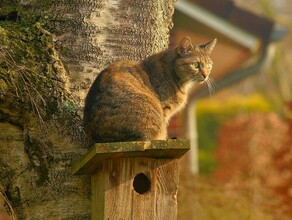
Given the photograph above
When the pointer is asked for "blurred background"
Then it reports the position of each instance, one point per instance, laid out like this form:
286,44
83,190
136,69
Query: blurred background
240,163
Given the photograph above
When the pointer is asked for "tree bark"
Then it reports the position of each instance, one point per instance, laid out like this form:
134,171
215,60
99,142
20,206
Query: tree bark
50,53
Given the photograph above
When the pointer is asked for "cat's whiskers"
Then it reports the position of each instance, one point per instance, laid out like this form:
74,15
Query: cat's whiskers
211,85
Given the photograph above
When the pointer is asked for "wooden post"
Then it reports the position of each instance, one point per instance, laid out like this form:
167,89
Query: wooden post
133,180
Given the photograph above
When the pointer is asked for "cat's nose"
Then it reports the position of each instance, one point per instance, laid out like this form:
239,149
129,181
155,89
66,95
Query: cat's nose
204,74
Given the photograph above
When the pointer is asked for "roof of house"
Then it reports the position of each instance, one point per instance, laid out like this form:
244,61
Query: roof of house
258,25
242,35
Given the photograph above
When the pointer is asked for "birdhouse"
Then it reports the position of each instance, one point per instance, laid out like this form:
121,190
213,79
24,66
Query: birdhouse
133,180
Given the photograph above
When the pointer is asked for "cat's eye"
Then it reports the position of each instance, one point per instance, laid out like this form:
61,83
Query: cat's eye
209,66
196,65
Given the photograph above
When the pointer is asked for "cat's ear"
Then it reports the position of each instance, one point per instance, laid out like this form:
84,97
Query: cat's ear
209,46
185,46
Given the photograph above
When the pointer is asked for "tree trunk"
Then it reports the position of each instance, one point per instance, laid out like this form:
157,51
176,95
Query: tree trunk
50,52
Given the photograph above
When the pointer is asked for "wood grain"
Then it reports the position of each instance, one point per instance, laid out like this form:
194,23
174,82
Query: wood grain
114,167
151,149
115,198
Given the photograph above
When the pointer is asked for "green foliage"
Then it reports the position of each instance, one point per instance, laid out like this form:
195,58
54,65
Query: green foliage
212,113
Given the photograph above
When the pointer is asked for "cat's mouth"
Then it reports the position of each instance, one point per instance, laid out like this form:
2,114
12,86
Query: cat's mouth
199,79
202,79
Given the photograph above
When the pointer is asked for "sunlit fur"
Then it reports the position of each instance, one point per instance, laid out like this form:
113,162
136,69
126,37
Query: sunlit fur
131,101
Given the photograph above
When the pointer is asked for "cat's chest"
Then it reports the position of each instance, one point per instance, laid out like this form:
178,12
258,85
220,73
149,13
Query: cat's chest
173,105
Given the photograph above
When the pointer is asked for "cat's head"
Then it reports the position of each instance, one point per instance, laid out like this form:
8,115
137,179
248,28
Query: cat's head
193,63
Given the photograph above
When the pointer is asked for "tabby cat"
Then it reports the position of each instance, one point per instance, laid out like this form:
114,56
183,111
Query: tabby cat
133,101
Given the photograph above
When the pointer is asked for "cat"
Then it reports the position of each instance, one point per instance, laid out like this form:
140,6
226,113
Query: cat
133,101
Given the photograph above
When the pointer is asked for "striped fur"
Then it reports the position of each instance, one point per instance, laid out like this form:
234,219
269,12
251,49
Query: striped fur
131,101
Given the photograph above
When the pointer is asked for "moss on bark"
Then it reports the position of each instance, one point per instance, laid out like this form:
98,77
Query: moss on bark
33,79
34,96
